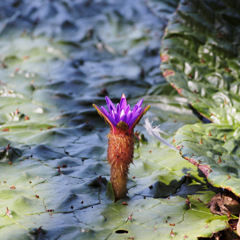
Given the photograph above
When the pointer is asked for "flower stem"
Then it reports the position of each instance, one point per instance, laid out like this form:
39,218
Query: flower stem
120,155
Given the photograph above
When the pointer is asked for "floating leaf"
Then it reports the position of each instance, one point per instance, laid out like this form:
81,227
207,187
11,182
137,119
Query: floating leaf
200,58
217,157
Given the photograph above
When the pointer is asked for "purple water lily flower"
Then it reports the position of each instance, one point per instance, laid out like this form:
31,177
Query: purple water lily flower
122,113
122,120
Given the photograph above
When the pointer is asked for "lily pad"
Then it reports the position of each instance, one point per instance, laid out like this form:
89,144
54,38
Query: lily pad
200,58
214,149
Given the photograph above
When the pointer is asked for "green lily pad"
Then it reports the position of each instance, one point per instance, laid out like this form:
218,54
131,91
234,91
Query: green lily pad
144,218
214,149
200,58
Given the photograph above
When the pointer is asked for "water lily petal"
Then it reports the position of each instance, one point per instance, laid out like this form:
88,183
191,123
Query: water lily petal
132,120
122,113
139,103
118,110
112,113
127,109
135,120
123,103
124,118
117,118
107,118
123,96
110,104
104,111
129,117
134,109
138,111
111,119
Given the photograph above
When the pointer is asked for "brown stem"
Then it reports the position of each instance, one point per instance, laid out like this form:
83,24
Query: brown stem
120,155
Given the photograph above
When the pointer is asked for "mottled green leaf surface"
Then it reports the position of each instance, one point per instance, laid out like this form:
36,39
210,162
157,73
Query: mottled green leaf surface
200,57
215,150
57,58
